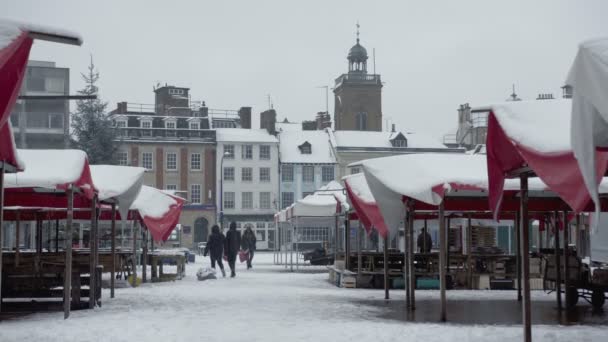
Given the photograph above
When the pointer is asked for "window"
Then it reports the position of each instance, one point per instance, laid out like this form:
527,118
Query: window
146,161
260,225
260,235
122,158
399,143
247,200
264,200
305,148
362,121
247,152
287,173
229,151
246,174
229,200
172,161
170,124
286,199
174,91
327,173
229,174
172,187
264,174
195,193
195,125
354,170
308,173
146,124
121,123
195,161
264,152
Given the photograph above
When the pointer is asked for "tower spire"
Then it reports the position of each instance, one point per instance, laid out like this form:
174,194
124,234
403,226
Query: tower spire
358,31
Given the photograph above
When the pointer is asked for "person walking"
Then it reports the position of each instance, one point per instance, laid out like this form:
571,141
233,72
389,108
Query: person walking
231,247
248,244
215,248
425,242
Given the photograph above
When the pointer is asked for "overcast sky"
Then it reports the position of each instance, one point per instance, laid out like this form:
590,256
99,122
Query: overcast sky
432,55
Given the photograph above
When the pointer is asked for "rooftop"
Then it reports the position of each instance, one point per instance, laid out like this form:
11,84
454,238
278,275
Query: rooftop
320,147
244,135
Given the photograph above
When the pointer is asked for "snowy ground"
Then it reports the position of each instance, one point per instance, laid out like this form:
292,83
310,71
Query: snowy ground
269,304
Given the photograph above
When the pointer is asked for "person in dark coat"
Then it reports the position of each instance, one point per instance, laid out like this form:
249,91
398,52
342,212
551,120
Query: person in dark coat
232,245
425,242
248,244
215,248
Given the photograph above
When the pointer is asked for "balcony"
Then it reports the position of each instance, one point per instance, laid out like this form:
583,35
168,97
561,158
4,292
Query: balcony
358,78
164,134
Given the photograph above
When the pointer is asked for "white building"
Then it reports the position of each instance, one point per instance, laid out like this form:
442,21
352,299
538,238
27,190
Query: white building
307,163
248,181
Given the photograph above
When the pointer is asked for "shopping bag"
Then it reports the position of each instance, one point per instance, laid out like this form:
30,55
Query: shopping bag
243,255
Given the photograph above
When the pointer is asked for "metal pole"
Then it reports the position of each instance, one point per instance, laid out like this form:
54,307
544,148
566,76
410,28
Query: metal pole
1,226
92,265
525,248
113,247
518,226
144,264
18,238
347,242
566,268
406,257
442,261
558,275
295,231
386,280
359,256
291,247
412,267
469,253
56,236
578,236
67,276
135,229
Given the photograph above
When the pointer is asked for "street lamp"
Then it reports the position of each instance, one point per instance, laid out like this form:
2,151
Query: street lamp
226,153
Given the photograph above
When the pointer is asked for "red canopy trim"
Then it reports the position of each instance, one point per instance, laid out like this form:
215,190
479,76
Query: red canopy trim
559,171
369,213
161,228
84,182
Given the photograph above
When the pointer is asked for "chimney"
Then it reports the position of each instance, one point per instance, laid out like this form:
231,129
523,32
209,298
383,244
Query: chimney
121,107
268,119
323,120
393,128
245,117
309,125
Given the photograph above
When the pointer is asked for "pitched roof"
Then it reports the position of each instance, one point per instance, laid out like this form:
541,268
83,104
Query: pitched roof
320,148
244,135
366,139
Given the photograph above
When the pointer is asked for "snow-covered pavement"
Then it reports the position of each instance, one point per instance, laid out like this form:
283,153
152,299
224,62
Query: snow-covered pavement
267,304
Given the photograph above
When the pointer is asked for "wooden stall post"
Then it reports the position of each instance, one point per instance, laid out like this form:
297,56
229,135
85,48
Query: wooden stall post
558,275
406,257
525,247
410,251
469,253
518,226
135,229
144,264
347,242
38,256
577,238
92,247
113,251
336,238
1,225
67,275
18,238
386,280
56,236
442,261
566,263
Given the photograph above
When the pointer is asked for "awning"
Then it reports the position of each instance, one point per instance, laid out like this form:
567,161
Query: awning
160,212
533,136
589,116
364,203
120,184
329,200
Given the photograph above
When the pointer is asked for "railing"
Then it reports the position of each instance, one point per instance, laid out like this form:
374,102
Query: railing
353,77
140,107
164,133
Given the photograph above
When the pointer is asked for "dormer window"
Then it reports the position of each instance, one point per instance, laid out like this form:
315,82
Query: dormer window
305,148
170,124
146,123
121,123
399,140
195,125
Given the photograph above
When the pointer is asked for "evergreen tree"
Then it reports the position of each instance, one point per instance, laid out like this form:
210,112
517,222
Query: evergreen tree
92,129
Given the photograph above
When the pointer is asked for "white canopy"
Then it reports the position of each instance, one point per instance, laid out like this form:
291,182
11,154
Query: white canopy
121,183
589,79
329,200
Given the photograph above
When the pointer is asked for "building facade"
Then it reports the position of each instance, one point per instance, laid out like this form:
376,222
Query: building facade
307,162
247,166
358,95
43,123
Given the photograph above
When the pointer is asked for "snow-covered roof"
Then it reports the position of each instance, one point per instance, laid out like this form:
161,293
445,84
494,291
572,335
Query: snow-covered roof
366,139
320,147
52,169
244,135
10,30
288,126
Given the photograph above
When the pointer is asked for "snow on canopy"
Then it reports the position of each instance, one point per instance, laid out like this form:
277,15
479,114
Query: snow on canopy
244,135
321,152
589,116
426,178
534,134
159,211
329,200
364,203
53,169
367,139
10,30
121,183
